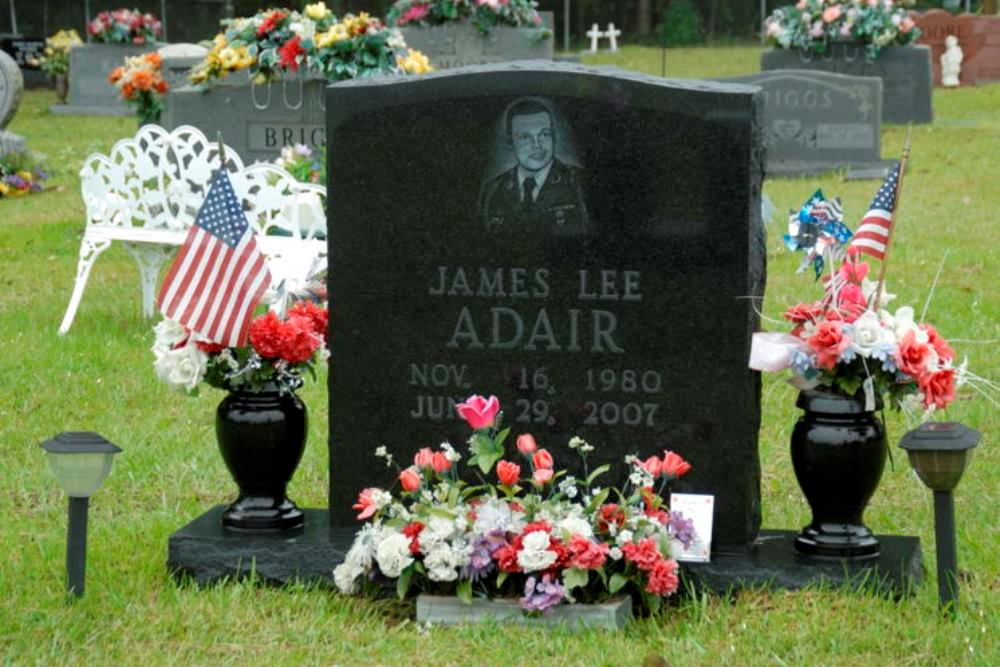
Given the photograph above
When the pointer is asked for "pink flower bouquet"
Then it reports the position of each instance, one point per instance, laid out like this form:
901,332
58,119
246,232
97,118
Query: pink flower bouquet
529,531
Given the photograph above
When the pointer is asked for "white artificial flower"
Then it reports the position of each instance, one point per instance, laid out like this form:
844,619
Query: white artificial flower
868,288
615,553
346,577
395,40
903,323
868,333
535,554
362,551
624,537
444,562
568,486
393,555
167,334
304,29
225,356
381,498
493,515
640,477
381,451
182,368
575,525
450,453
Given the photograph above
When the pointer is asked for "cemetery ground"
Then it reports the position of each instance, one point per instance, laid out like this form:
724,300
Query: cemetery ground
99,377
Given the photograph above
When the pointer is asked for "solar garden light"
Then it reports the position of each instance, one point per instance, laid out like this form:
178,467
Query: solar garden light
80,461
939,453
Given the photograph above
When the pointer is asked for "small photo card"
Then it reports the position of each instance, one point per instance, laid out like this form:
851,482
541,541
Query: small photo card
699,509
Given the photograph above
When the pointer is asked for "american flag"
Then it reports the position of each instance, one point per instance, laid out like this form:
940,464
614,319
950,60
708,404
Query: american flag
219,275
872,235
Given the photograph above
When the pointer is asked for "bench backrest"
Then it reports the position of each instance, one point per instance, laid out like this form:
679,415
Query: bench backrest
158,179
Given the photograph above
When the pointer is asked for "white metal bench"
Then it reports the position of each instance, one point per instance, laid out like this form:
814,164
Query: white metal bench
147,192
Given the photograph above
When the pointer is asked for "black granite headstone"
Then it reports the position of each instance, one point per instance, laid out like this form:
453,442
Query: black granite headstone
616,304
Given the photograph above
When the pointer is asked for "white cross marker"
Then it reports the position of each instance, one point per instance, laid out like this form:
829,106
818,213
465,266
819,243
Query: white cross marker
612,36
595,35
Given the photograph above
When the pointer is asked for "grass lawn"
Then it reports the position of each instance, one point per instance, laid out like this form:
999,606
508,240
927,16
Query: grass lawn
100,377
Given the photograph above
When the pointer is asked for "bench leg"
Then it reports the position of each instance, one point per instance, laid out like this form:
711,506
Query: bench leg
89,252
150,259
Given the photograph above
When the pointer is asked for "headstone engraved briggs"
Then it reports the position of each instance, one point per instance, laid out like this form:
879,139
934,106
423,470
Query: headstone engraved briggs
11,88
816,121
616,304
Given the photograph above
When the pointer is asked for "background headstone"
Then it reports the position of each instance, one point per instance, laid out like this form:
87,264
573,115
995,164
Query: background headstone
459,44
905,72
25,50
11,87
816,121
90,92
178,59
936,25
622,313
257,121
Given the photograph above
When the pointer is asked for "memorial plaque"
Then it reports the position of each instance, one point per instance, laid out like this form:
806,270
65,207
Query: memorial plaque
905,72
816,121
616,305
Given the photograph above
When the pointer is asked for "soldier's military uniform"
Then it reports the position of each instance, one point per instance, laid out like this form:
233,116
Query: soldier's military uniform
559,207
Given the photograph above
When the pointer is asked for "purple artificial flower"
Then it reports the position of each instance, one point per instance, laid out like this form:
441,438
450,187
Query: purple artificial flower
481,559
542,595
681,528
303,150
41,175
16,181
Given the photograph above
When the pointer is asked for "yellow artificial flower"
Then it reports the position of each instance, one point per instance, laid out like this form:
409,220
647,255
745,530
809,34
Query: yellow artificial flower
337,32
25,176
317,11
64,39
415,62
356,24
4,189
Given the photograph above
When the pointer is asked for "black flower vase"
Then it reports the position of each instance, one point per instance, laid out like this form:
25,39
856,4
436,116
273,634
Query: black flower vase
262,436
838,452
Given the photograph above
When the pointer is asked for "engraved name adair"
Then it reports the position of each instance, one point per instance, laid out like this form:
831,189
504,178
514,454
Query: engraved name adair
528,328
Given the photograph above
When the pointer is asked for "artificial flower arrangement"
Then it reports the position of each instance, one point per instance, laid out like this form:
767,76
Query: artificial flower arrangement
21,174
303,163
850,343
483,14
279,41
55,58
125,26
532,532
813,25
141,85
280,351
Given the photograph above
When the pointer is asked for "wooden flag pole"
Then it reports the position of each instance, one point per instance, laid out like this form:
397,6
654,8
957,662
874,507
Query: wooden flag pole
895,221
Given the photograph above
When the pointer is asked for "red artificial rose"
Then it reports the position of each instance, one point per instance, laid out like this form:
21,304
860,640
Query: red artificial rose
536,527
802,313
912,355
508,473
854,271
506,556
366,504
542,476
652,465
938,387
265,335
298,342
558,547
662,516
645,554
586,554
440,463
412,531
270,22
828,341
526,444
289,52
610,514
542,459
851,302
410,479
210,348
663,578
673,465
316,314
940,345
423,457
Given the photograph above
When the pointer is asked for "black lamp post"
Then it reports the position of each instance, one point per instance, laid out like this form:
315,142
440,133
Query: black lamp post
939,453
80,461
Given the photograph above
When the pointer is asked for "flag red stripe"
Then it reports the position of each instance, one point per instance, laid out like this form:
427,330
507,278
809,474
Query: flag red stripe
207,314
244,300
198,292
222,308
176,266
189,271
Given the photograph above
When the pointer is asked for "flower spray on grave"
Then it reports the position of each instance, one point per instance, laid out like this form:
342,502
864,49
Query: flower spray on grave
21,174
849,353
483,14
125,26
278,42
528,530
814,25
210,333
141,85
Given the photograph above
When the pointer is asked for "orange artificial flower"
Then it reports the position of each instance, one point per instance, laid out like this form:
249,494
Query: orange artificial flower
128,91
153,59
116,75
142,80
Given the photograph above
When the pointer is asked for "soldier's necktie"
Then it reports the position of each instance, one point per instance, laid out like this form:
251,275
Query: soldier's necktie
528,194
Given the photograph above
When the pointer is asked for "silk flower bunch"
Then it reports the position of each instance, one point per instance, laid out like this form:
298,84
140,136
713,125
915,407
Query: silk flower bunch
533,532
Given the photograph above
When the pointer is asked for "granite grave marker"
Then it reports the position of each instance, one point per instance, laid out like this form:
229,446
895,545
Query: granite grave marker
978,36
616,306
458,44
816,121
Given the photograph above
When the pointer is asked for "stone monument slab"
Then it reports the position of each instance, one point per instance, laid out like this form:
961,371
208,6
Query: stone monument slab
816,121
905,72
90,93
11,88
459,44
257,121
617,306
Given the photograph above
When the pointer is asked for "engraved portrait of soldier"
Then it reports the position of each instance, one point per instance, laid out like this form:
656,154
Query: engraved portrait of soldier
539,188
